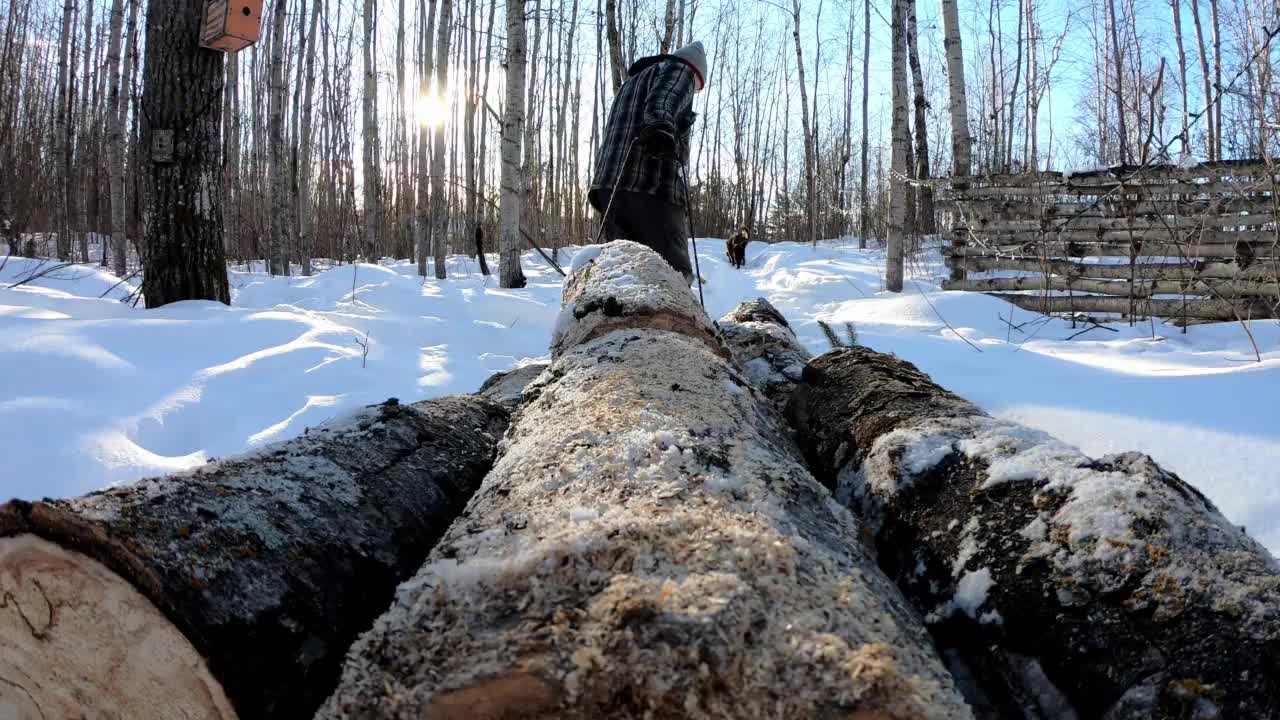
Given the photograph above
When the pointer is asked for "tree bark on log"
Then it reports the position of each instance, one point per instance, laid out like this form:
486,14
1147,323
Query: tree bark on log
1195,270
1196,308
765,348
1058,586
1143,287
649,545
269,565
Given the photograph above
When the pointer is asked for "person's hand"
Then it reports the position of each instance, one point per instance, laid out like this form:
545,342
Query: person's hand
659,140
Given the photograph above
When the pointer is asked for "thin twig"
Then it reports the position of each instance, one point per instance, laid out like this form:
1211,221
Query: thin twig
119,283
944,320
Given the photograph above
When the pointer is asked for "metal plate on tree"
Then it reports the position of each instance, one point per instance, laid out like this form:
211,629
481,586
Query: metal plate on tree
162,146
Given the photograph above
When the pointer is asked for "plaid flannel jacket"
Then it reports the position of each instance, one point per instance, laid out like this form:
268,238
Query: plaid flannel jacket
658,91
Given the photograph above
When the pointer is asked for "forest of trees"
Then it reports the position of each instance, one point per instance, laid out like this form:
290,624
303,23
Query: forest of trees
332,136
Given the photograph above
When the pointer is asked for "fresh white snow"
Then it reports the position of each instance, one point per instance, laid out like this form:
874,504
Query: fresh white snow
94,392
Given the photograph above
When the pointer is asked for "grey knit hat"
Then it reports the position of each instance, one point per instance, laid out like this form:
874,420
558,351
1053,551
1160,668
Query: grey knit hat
695,57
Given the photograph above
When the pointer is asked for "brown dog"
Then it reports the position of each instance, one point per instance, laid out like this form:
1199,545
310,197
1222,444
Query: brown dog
736,250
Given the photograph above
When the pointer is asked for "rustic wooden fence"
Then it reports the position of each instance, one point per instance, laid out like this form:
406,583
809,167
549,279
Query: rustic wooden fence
1186,243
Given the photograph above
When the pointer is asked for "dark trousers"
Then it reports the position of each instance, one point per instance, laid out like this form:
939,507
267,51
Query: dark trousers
656,224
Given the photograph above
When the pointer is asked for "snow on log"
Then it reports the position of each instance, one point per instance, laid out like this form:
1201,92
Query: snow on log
649,545
765,347
507,388
250,576
1058,586
631,290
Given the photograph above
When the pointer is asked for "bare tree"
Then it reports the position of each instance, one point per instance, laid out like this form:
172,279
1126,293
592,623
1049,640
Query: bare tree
511,275
1211,121
116,139
62,129
811,201
372,147
305,205
864,207
901,147
924,220
231,143
668,27
1118,90
961,163
439,205
615,44
278,262
426,66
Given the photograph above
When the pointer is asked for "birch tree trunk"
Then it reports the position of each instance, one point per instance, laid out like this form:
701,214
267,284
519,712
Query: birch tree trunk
1057,585
961,145
132,99
422,219
278,173
925,222
231,165
439,202
685,566
184,259
306,201
864,204
511,197
83,165
811,183
1216,108
901,141
372,148
531,170
1210,121
668,28
1118,61
62,130
471,162
482,181
116,142
619,70
262,569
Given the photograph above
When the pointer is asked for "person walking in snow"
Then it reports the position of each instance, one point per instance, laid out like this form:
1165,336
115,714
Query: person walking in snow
639,184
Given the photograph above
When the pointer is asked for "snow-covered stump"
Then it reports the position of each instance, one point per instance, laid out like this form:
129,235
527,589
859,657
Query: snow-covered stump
765,347
1058,586
237,587
648,545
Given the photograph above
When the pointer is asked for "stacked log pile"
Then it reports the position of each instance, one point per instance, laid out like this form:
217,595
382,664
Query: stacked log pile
651,539
648,545
1200,242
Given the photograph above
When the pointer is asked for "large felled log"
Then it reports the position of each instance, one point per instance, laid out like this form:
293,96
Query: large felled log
249,577
765,347
649,545
1060,585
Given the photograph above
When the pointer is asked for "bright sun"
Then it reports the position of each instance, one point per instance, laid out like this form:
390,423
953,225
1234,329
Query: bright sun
431,110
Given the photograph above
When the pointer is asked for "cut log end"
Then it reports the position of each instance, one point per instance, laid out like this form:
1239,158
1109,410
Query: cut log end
77,635
625,285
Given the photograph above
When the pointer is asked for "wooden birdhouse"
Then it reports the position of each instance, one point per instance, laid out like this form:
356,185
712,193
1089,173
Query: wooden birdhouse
231,25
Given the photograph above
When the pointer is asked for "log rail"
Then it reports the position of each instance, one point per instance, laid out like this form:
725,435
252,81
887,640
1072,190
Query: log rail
1185,243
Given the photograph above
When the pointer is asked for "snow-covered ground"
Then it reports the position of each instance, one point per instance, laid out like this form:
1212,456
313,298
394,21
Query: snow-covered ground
94,392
